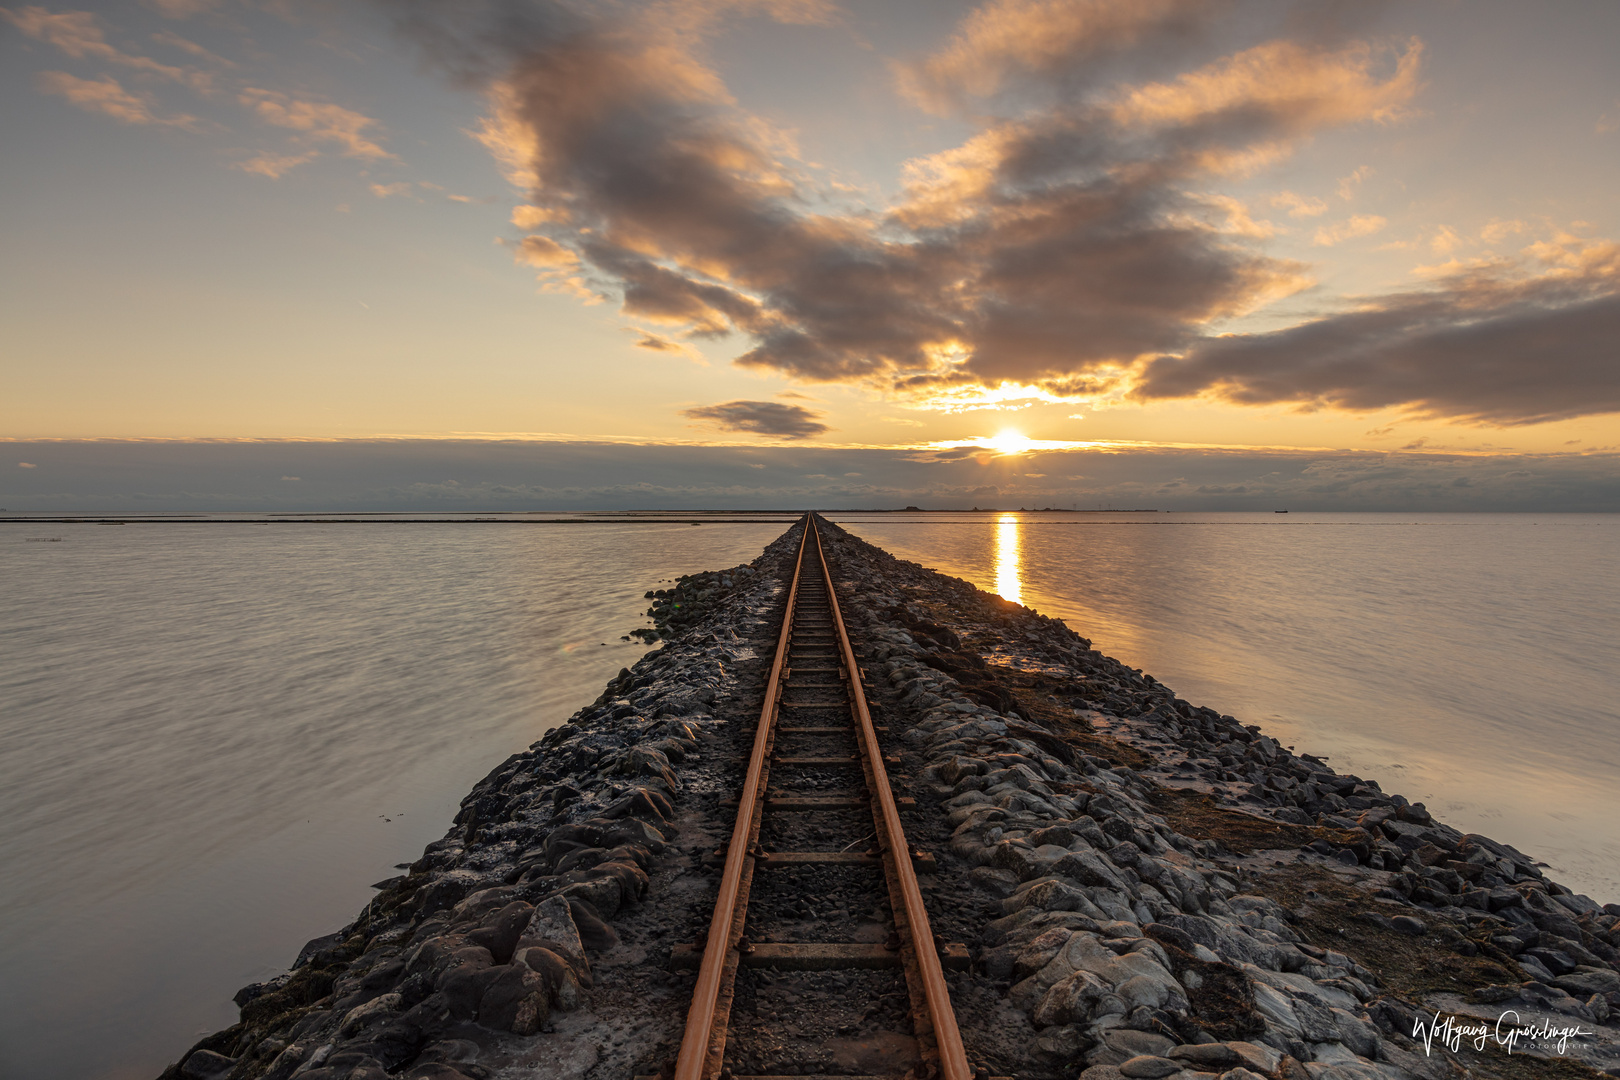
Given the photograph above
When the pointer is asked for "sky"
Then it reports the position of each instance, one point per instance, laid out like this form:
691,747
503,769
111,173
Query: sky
789,252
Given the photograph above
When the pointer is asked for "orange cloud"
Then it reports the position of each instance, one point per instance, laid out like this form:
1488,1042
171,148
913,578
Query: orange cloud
107,97
1298,205
1006,38
79,35
652,342
183,9
1050,256
1295,87
1502,342
318,122
544,251
1359,225
274,166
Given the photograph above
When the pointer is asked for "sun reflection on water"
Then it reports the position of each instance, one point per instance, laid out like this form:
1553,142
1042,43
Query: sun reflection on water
1009,550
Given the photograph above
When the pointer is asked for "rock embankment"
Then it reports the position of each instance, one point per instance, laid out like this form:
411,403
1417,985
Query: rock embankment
1151,888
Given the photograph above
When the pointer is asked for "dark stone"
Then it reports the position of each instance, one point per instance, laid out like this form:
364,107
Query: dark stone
383,977
997,963
1560,925
444,893
632,879
1391,1015
1407,924
462,988
1126,854
318,950
1212,1057
556,971
515,1000
1586,981
583,858
1086,868
1315,1018
501,930
1169,935
1554,960
253,991
594,934
206,1065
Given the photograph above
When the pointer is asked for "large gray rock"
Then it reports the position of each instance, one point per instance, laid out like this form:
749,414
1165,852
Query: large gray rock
1075,999
1586,981
1257,1056
1212,1057
1148,1067
1087,868
1131,1042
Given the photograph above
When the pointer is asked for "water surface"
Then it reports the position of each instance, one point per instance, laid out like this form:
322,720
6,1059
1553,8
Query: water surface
1468,661
218,735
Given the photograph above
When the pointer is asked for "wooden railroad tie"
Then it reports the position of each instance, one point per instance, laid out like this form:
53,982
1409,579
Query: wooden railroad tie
820,956
823,802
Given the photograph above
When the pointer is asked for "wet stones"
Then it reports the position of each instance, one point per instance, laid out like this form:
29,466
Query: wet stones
494,930
1118,940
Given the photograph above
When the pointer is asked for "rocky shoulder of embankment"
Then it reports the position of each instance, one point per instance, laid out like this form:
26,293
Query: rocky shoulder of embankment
1177,894
523,939
1150,888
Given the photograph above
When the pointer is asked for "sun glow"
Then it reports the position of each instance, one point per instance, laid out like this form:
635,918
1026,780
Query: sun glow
1010,442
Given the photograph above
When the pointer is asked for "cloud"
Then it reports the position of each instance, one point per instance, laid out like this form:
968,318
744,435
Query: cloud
1299,205
1006,40
317,121
1497,230
173,40
1508,342
532,217
1075,245
1051,250
544,251
1444,240
183,9
1349,184
761,418
26,465
274,166
408,474
384,191
1358,225
107,97
78,34
652,342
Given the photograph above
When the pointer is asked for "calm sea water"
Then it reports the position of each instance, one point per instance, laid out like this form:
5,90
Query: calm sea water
217,735
1468,661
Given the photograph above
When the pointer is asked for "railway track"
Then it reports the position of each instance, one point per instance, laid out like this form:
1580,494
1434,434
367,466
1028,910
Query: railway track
820,915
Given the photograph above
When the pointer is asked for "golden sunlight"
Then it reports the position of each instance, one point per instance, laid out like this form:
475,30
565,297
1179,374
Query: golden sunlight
1009,553
1010,442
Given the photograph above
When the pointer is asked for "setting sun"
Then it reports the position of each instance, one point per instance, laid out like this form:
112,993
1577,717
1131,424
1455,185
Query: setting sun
1009,442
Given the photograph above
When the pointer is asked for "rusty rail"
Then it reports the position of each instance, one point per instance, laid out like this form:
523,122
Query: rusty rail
953,1063
726,925
703,1045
